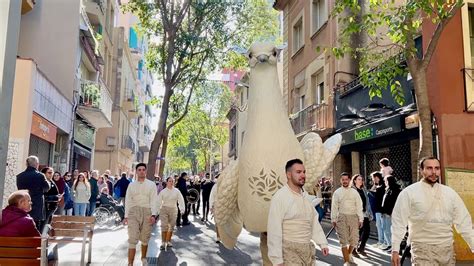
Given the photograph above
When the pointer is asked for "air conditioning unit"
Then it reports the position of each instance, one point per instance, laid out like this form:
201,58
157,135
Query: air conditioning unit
111,141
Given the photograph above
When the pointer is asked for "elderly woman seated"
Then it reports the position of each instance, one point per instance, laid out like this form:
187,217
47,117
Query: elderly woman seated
107,200
15,218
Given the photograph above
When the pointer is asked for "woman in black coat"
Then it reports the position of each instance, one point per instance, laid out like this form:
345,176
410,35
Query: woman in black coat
388,203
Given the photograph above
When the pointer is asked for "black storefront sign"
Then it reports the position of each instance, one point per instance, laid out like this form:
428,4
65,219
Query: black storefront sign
378,129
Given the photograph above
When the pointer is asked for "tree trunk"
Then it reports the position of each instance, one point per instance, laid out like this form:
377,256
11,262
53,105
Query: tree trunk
424,111
164,148
156,143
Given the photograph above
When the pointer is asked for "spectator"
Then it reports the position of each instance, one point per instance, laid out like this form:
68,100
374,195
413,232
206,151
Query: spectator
94,191
15,218
36,184
206,187
364,231
182,187
122,184
385,167
159,184
82,194
388,202
196,184
68,200
109,182
100,183
52,196
326,192
378,191
106,199
60,183
75,175
68,179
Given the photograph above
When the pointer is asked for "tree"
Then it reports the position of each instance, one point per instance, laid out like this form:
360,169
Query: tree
390,27
191,40
190,141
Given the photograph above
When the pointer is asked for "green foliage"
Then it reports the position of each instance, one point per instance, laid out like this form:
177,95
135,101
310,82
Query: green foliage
257,21
381,33
189,140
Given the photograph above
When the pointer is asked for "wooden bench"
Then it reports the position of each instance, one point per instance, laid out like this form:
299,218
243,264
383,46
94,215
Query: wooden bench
25,251
73,229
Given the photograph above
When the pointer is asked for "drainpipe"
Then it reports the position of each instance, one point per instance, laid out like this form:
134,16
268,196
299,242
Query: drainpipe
71,134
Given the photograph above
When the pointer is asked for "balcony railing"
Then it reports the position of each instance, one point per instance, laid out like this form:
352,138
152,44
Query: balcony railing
128,143
313,118
95,103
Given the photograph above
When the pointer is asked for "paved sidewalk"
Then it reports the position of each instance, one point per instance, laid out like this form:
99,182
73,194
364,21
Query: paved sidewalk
195,245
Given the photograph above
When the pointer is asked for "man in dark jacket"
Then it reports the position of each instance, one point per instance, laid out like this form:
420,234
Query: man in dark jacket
183,188
122,184
206,187
36,184
94,191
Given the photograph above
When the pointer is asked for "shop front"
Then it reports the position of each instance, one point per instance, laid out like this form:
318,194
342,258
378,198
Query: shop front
83,146
376,128
42,139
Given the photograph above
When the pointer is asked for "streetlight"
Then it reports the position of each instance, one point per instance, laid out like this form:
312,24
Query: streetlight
211,142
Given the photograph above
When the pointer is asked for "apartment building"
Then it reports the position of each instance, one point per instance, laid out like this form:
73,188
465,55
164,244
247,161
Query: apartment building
128,141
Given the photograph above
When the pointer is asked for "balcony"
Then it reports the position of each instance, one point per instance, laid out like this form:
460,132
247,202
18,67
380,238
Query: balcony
128,145
132,114
145,143
129,100
95,104
315,117
95,10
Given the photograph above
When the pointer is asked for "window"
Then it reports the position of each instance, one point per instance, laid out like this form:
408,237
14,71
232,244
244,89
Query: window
318,87
319,14
298,36
233,138
302,102
471,32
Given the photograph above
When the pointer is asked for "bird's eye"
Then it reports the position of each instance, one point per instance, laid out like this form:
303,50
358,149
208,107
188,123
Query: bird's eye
250,55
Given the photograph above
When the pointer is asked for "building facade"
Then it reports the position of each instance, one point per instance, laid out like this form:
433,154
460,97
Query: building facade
128,141
451,94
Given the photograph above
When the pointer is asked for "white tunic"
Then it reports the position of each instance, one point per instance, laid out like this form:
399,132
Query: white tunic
169,198
141,194
346,201
293,218
430,212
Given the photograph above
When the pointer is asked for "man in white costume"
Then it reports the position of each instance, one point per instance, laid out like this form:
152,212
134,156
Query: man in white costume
430,210
347,217
168,211
140,212
293,222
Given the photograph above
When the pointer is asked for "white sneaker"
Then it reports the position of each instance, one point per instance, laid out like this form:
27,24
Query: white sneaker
383,246
377,245
144,262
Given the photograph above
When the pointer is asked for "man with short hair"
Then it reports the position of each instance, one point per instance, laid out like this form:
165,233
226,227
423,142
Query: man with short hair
140,212
293,222
347,217
206,188
36,184
94,191
15,218
122,185
430,210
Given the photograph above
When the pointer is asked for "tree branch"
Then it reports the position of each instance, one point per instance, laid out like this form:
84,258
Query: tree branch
436,35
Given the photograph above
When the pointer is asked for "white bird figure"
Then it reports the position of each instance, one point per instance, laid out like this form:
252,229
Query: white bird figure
247,185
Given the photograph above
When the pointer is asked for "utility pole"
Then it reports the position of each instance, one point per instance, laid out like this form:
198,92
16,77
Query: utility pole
10,15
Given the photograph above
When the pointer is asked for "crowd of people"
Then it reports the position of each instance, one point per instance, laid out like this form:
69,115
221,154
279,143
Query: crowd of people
428,209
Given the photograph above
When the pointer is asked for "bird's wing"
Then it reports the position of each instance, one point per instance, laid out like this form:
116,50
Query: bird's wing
227,214
318,156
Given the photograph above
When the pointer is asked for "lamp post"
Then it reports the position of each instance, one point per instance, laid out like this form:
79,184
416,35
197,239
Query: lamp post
210,154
